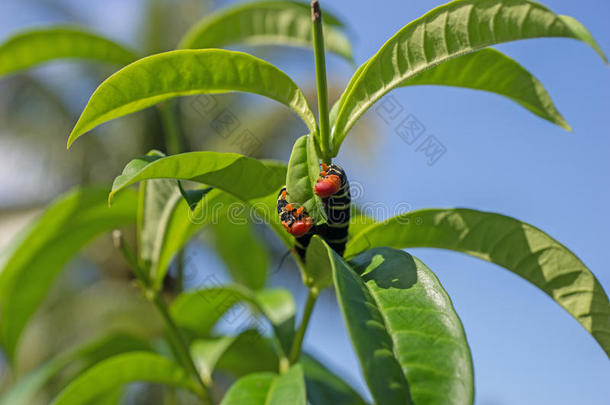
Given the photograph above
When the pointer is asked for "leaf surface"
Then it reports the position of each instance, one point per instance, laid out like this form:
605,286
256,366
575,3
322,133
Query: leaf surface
34,47
244,177
124,369
160,77
517,246
402,321
30,267
266,23
448,31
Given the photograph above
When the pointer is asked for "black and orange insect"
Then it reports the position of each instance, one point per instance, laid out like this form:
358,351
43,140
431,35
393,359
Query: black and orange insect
332,186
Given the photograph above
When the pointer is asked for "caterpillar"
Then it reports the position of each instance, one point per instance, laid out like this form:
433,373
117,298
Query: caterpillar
333,187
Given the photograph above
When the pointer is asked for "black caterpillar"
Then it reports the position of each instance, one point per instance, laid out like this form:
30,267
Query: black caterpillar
333,187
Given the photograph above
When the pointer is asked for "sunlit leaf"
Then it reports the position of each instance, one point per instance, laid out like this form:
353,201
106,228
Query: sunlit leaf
124,369
448,31
160,77
517,246
246,178
57,235
266,23
492,71
409,340
31,48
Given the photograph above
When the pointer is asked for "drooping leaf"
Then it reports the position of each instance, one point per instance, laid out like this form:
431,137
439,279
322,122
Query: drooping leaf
249,353
268,389
160,77
56,236
303,170
324,387
266,23
124,369
245,178
31,48
25,389
199,310
448,31
240,248
249,348
402,321
206,352
517,246
492,71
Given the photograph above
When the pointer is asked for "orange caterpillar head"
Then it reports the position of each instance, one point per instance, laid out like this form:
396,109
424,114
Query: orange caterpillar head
327,185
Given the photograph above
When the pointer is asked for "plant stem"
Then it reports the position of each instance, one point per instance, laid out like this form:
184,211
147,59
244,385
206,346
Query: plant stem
174,141
295,351
175,338
321,85
179,344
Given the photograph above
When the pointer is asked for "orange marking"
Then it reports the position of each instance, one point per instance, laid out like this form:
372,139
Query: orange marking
300,211
288,207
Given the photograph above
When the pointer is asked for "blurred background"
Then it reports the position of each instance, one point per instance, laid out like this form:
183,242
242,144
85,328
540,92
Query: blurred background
492,155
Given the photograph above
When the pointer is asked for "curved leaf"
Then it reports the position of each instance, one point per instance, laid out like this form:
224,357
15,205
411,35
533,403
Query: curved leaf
33,47
58,234
123,369
303,170
268,389
160,77
199,310
245,178
24,391
492,71
519,247
401,320
266,23
249,347
324,387
451,30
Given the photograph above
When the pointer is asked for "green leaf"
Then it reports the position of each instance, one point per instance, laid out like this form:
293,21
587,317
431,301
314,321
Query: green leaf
24,390
160,77
409,340
245,178
492,71
268,389
57,235
318,270
517,246
124,369
448,31
30,48
158,198
199,310
250,349
324,387
303,171
358,221
206,352
249,353
185,221
241,248
266,23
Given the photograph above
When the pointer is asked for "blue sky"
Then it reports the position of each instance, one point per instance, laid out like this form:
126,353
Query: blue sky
499,158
